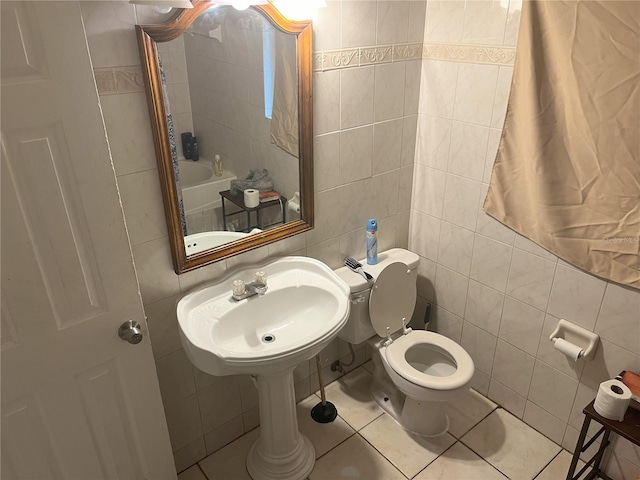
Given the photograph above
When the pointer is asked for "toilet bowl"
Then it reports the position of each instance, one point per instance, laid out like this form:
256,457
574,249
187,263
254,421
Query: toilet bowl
415,371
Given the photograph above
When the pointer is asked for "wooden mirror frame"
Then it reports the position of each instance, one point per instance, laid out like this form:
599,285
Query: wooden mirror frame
148,37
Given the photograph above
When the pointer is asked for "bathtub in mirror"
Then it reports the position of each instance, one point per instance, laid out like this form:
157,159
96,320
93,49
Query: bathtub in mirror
240,83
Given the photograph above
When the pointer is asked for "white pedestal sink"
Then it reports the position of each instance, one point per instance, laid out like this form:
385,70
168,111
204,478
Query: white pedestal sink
305,306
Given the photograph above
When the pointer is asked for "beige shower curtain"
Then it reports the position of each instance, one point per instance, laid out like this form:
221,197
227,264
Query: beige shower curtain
284,119
567,174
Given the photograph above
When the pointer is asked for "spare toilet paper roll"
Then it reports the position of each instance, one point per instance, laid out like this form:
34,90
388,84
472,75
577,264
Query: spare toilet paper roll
251,198
569,349
612,400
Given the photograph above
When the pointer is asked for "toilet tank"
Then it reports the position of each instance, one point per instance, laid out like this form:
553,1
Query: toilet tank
358,327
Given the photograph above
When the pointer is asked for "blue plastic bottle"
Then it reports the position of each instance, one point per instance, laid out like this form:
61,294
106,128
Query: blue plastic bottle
372,241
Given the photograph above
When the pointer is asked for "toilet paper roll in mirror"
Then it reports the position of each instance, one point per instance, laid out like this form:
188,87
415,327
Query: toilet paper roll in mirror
293,206
612,400
569,349
294,202
251,198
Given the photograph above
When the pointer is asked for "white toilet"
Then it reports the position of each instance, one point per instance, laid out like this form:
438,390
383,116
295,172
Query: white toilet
415,371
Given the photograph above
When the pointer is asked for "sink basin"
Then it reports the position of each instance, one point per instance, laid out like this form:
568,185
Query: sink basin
301,312
305,306
267,335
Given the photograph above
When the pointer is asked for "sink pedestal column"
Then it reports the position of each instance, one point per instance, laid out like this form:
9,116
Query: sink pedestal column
281,452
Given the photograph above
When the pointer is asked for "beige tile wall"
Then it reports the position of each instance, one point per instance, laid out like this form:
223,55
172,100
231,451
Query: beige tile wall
497,293
365,126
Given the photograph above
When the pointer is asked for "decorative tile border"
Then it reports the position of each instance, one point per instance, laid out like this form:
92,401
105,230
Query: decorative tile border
112,81
318,60
373,55
333,59
470,53
105,81
407,51
129,79
357,57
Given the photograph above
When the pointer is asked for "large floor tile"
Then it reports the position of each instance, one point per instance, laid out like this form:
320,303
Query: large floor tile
460,463
352,397
355,459
559,467
230,461
192,473
409,453
324,436
511,446
466,412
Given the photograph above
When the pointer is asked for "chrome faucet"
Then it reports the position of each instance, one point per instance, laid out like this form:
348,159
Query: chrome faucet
250,289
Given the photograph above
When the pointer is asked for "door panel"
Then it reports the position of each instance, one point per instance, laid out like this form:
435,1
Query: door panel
58,231
30,451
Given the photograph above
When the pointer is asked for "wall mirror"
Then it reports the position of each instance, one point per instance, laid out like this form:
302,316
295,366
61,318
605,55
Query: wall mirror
230,102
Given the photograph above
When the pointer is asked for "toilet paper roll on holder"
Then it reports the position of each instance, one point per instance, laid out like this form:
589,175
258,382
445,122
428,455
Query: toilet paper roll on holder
581,337
294,203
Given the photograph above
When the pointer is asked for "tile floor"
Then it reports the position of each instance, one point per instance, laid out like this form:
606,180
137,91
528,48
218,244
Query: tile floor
484,442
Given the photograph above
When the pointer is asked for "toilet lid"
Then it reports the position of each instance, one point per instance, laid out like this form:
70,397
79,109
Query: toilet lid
393,297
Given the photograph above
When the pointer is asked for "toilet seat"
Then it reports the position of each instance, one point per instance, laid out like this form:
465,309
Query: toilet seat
396,356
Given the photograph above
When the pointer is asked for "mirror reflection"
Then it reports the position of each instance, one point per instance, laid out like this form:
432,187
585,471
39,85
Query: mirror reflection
231,85
230,105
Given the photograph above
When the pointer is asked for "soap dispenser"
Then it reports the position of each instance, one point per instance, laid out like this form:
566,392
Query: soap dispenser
195,153
217,165
186,144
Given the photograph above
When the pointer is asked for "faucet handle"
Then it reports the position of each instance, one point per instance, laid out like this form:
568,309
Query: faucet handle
238,287
261,277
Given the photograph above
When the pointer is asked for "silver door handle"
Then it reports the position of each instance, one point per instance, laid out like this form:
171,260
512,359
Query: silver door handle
131,332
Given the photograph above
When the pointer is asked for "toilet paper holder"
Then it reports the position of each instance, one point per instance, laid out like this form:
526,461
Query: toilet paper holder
581,337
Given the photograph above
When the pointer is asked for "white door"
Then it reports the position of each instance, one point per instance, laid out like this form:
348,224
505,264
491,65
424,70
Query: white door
77,401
